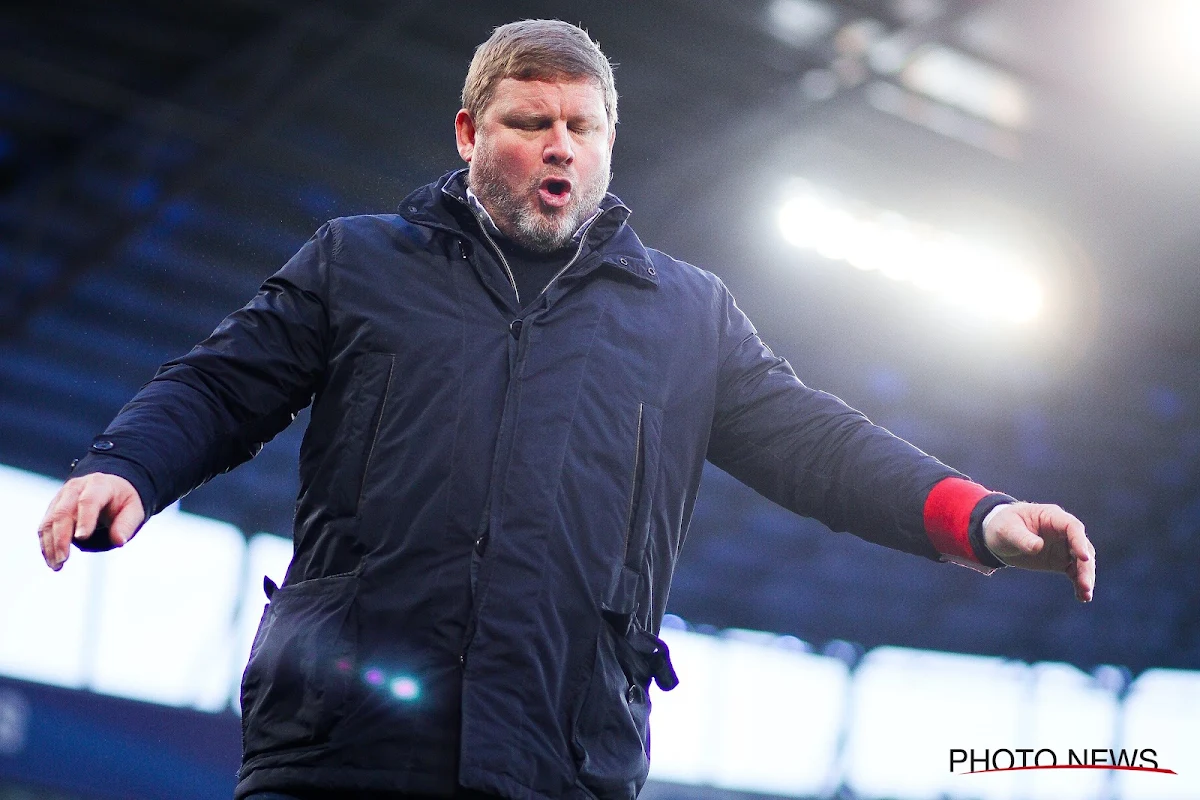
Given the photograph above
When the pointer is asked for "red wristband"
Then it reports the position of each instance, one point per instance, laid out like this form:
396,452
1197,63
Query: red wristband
948,516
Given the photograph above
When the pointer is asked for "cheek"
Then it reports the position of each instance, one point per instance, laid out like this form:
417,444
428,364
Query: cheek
493,156
514,159
597,161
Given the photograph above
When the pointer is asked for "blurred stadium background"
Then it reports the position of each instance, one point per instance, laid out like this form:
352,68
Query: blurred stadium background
975,220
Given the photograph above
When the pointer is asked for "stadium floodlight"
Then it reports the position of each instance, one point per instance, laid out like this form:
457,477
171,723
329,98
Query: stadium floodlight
990,282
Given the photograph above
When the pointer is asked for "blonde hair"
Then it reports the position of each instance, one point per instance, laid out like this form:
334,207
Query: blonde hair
537,49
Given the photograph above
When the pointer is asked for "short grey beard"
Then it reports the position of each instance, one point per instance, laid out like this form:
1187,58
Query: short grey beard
540,234
519,220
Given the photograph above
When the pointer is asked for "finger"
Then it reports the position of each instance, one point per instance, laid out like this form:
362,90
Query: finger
59,525
1083,575
1077,540
60,536
1054,519
126,523
87,509
44,528
1081,568
1086,578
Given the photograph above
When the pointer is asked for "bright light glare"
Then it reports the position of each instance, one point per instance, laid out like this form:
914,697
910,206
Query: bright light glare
1064,701
799,22
1162,709
30,649
1172,32
1154,45
178,652
988,282
910,707
777,732
957,79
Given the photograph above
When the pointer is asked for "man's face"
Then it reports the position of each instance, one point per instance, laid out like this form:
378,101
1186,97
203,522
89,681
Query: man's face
539,158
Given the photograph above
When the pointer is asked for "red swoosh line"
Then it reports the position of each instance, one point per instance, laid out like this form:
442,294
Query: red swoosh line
1076,766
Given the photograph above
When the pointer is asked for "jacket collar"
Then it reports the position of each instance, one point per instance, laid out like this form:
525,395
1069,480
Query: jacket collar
608,233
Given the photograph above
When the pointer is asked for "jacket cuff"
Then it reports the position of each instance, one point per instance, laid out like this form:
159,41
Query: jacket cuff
954,512
978,515
100,458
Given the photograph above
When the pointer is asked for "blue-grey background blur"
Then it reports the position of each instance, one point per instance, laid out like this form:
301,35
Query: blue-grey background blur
159,160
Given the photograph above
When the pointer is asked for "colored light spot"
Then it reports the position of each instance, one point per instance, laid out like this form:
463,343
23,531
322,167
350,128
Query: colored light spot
374,677
406,688
342,665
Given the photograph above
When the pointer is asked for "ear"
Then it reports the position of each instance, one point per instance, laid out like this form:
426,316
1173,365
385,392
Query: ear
612,137
464,132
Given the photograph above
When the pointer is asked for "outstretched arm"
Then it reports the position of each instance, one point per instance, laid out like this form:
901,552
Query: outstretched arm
1046,538
203,413
811,453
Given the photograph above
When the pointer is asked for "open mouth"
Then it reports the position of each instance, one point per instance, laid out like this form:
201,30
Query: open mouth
555,191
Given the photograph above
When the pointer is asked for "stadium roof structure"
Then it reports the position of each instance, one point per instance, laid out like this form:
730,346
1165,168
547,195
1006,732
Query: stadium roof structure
158,161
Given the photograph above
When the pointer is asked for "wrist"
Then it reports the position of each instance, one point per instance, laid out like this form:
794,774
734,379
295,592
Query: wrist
983,512
954,511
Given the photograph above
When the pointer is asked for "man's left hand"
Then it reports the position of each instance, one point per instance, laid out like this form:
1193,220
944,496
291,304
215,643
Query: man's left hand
1043,537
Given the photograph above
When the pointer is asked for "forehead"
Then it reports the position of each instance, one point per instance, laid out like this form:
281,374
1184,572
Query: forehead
581,97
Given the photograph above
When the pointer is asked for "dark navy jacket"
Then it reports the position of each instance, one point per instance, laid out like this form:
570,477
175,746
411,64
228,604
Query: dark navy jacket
492,500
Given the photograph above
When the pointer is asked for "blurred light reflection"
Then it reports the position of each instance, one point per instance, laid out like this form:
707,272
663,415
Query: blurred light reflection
993,283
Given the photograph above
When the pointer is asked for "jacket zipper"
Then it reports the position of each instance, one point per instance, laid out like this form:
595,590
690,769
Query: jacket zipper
462,656
504,262
578,250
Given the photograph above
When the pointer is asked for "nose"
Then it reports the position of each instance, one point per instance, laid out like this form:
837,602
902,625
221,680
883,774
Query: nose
558,148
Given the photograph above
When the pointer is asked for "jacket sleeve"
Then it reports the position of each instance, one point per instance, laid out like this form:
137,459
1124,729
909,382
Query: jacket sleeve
811,453
214,408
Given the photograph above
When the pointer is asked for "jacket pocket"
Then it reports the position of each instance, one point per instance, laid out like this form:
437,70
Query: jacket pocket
624,594
360,410
301,666
612,731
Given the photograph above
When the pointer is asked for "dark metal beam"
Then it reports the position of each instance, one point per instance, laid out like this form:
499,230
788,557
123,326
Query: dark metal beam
235,138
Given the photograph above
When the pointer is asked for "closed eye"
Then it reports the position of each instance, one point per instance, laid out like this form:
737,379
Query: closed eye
528,123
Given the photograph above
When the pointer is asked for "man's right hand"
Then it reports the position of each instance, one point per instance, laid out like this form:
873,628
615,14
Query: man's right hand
79,505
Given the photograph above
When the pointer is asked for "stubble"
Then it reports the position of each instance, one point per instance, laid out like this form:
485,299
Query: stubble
518,211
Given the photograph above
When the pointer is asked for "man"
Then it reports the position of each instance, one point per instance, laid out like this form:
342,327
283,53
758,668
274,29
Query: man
513,400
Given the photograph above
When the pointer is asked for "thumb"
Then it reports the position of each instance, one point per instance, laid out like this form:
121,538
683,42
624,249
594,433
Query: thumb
1012,537
1025,540
126,522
